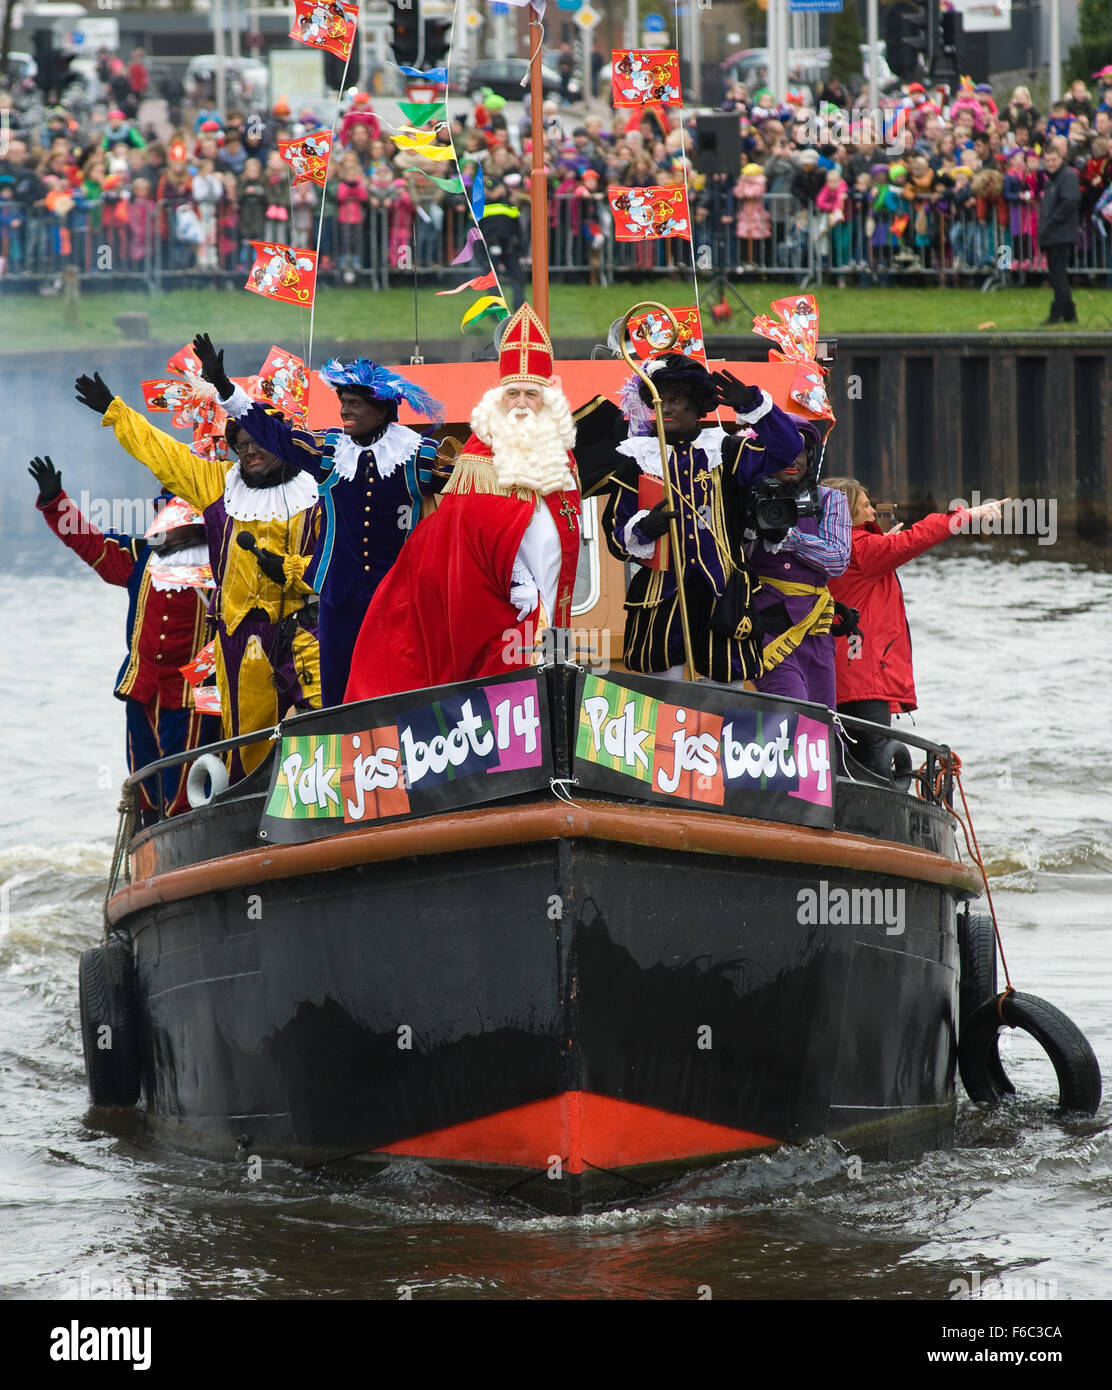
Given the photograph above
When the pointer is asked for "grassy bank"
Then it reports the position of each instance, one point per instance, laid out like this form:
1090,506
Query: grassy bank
40,323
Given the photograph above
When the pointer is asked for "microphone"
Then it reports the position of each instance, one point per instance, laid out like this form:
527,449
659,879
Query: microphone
246,541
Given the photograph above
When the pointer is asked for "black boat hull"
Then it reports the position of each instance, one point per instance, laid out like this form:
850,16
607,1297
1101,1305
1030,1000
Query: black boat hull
567,1015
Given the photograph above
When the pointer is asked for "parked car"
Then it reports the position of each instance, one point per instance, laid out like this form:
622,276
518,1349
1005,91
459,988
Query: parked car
504,76
810,63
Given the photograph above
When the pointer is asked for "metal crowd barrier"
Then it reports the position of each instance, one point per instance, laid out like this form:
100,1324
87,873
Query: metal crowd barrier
949,245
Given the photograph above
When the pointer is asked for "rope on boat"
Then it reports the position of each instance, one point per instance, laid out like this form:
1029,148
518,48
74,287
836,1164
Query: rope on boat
124,827
952,764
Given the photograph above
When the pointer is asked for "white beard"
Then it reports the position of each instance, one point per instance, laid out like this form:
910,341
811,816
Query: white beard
529,450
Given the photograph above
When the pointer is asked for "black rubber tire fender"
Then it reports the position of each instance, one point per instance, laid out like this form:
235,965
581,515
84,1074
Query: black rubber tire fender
977,953
106,997
1075,1064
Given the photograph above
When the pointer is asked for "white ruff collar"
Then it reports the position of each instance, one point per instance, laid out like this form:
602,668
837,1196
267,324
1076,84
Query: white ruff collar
393,448
645,451
185,558
276,503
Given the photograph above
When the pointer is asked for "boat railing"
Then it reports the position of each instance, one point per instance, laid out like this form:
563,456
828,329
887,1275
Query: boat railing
934,779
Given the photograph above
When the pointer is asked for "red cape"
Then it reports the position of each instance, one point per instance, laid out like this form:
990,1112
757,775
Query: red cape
442,613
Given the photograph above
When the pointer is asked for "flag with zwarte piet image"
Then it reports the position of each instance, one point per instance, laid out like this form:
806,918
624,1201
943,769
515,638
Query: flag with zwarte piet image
644,77
283,273
308,157
645,214
325,24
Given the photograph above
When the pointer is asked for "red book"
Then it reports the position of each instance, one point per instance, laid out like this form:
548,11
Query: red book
650,491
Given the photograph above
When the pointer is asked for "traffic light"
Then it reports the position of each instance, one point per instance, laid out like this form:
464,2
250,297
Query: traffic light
944,65
406,31
438,37
907,40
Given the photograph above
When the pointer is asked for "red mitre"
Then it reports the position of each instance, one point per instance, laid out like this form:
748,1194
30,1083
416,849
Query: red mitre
526,351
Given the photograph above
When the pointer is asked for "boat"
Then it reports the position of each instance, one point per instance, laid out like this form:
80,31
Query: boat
564,934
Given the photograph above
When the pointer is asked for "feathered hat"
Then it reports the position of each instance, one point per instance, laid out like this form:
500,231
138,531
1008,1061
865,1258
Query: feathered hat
381,385
526,350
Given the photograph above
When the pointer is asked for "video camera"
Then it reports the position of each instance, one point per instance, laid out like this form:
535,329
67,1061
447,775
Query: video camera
776,504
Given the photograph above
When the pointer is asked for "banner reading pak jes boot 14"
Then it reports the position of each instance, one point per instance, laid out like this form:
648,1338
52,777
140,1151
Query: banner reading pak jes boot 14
408,755
705,746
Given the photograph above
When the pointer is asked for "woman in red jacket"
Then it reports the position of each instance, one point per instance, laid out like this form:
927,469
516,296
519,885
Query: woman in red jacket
873,667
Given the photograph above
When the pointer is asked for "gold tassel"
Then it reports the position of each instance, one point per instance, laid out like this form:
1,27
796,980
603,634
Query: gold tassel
475,474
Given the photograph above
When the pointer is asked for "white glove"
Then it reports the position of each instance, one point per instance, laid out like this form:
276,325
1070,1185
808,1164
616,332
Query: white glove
524,596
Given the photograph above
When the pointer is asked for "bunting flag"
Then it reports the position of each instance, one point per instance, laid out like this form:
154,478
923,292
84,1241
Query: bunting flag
421,112
478,193
454,185
437,76
641,76
489,304
325,24
473,235
410,138
282,273
480,282
649,334
644,214
283,381
191,408
308,157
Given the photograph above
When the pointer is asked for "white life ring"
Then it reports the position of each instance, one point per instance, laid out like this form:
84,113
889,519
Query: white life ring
208,777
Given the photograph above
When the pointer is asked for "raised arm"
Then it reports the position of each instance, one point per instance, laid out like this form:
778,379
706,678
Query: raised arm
110,554
301,448
778,443
199,481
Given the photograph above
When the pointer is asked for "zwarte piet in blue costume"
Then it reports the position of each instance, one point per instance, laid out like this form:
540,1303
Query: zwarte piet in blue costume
372,476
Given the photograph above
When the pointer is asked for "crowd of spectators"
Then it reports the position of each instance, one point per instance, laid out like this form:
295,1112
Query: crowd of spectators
928,183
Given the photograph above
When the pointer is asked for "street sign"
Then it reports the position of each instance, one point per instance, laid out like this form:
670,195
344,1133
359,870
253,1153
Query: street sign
474,20
654,24
568,4
815,6
499,7
587,18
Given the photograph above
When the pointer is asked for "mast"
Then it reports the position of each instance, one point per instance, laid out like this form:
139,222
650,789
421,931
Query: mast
538,184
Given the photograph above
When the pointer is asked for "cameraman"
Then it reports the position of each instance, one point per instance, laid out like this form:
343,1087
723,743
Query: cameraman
794,561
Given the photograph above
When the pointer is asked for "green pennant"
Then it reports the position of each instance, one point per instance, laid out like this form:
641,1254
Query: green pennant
448,185
421,112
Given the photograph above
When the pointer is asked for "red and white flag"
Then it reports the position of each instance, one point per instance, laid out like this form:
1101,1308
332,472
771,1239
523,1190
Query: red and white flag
325,24
645,214
643,77
282,381
649,334
308,157
283,273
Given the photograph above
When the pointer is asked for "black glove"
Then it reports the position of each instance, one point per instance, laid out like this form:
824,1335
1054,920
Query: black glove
656,522
845,621
212,365
736,394
91,391
48,479
270,563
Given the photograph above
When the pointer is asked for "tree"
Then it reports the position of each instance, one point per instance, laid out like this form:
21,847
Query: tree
846,39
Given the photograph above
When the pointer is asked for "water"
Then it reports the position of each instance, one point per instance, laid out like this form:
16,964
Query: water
1013,666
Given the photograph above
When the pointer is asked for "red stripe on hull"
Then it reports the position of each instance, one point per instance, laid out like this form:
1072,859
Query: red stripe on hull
581,1129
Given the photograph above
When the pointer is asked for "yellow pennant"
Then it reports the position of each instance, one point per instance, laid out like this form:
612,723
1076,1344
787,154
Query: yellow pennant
486,305
412,139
